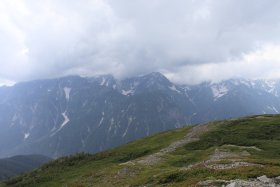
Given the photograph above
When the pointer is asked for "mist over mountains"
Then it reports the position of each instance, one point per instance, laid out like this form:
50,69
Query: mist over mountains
63,116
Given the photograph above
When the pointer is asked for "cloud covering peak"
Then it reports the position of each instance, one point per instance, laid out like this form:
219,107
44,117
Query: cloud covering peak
189,41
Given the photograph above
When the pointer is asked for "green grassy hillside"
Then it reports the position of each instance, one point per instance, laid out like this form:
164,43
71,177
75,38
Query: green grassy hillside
241,148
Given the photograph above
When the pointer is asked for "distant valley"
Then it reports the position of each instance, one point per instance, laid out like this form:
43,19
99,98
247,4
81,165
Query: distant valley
15,165
73,114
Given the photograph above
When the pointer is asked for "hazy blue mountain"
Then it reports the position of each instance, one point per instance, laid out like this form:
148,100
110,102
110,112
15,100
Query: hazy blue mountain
73,114
19,164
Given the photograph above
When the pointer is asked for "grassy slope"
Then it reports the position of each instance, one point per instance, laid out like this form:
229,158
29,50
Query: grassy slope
105,169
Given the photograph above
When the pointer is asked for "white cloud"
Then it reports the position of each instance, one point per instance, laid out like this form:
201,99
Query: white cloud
263,63
191,41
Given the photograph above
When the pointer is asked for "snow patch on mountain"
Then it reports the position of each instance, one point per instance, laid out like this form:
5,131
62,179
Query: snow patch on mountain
101,120
173,87
270,84
130,119
219,91
245,82
275,109
66,120
67,93
103,81
127,92
272,108
26,135
112,122
270,87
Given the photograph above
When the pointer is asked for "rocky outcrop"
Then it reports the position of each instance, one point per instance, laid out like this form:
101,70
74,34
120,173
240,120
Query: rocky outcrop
262,181
222,160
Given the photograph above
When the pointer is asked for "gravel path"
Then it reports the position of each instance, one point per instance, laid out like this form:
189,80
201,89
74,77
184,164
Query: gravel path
192,135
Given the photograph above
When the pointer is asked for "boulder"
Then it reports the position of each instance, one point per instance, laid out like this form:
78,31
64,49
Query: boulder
265,179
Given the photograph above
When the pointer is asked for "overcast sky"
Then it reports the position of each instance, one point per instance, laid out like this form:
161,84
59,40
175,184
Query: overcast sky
188,40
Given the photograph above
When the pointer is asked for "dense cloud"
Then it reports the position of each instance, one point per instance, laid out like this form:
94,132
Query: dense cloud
189,41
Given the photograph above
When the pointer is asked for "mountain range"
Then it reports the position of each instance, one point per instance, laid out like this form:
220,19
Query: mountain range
63,116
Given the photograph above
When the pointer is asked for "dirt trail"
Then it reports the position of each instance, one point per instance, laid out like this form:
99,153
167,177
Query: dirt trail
244,147
192,135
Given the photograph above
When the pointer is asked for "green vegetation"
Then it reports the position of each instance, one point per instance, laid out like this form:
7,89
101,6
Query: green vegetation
262,132
255,140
